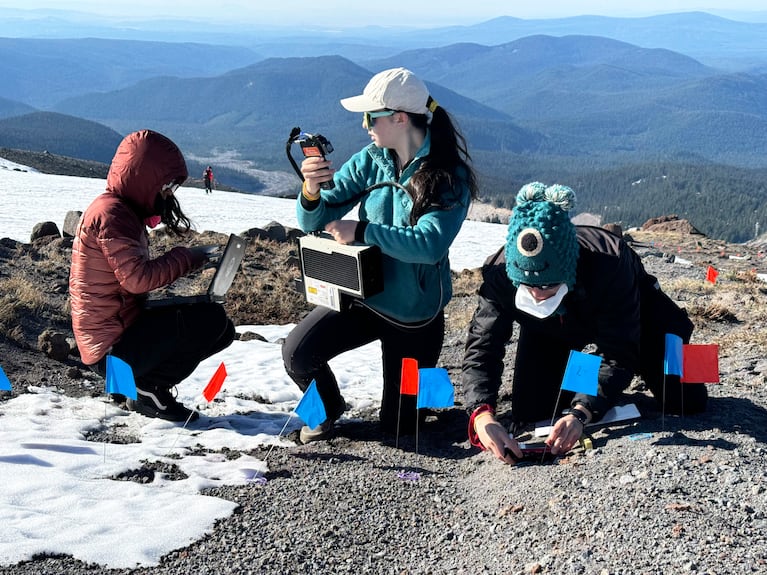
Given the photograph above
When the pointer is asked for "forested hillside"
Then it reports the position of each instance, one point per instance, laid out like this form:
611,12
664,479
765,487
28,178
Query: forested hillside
721,201
60,134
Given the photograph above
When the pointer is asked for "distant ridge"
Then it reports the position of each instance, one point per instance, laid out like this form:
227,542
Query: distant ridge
43,71
60,134
9,108
252,110
48,163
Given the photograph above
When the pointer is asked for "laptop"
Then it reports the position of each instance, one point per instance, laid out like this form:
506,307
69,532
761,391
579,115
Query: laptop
222,279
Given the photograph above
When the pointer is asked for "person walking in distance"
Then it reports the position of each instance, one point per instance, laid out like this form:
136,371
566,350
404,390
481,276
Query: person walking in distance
207,177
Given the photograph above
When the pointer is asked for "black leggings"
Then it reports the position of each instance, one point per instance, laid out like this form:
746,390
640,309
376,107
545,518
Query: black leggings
325,334
165,345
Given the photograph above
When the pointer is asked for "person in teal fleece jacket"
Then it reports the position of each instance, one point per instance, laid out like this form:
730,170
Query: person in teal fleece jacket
413,186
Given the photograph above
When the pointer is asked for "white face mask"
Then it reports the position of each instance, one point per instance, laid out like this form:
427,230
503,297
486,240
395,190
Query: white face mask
541,309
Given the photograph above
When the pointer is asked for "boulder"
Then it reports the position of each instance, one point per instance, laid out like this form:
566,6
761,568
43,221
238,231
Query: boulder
70,223
670,223
274,232
44,229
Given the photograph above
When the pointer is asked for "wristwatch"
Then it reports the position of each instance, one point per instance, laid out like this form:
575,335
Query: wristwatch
578,414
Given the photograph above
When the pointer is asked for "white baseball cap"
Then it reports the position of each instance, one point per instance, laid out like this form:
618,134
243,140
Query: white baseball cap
394,89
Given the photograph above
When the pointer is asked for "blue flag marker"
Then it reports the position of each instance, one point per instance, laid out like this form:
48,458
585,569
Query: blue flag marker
120,377
582,373
5,383
310,408
672,361
434,388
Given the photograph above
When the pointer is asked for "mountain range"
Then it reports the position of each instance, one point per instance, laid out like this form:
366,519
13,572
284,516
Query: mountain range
731,40
540,106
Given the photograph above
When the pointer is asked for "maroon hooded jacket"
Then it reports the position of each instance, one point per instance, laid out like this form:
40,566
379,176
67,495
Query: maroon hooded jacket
111,269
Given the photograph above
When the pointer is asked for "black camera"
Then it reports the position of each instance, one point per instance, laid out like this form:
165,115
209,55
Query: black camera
316,145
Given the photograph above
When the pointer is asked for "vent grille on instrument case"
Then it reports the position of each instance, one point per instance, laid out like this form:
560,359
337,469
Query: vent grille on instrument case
352,269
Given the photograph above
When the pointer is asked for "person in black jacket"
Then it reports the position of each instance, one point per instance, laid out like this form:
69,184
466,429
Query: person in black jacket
568,288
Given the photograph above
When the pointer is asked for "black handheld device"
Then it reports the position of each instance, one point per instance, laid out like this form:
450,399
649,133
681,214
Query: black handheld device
532,455
312,146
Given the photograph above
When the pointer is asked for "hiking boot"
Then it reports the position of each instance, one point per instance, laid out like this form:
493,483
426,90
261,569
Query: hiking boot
160,403
323,431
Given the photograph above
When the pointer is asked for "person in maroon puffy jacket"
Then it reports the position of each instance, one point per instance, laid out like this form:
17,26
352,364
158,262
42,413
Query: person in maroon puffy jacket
112,272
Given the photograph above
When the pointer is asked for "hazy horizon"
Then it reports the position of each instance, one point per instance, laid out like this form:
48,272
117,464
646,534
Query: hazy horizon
346,14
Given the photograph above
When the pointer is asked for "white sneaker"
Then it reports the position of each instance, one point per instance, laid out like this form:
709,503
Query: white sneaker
323,431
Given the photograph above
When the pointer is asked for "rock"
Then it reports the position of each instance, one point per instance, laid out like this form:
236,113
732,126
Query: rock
670,223
294,234
274,232
44,229
250,336
54,344
70,223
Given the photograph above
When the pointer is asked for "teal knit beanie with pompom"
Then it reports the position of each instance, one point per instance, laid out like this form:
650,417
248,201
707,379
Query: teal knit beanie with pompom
541,246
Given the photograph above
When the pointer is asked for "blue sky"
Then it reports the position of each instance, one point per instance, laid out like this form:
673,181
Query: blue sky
344,13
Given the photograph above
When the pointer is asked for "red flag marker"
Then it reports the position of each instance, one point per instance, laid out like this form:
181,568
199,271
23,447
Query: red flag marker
215,383
711,275
700,363
409,380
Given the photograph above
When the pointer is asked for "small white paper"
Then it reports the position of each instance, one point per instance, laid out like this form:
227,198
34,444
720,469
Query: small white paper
321,293
617,413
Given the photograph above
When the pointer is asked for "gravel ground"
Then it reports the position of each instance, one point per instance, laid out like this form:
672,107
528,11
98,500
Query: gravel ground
659,495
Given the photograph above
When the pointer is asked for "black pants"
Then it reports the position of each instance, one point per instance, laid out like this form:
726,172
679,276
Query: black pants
538,369
540,366
660,315
165,345
325,334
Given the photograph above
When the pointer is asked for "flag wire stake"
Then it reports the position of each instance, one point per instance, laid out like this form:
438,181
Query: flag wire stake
553,416
663,405
279,435
183,427
417,418
105,435
681,385
399,414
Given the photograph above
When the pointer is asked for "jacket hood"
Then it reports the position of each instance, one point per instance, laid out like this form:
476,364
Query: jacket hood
144,162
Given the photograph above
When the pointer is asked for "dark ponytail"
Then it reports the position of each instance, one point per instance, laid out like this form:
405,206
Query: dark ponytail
447,166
